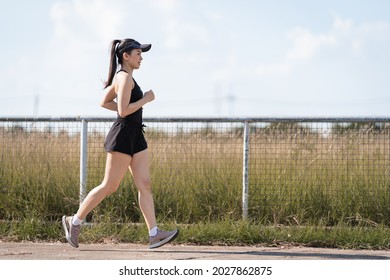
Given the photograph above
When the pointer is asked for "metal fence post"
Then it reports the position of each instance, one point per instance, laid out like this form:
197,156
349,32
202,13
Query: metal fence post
83,159
245,171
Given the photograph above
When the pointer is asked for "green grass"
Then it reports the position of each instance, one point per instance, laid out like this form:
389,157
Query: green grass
238,233
303,188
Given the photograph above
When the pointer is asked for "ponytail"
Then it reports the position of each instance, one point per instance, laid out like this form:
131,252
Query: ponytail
113,63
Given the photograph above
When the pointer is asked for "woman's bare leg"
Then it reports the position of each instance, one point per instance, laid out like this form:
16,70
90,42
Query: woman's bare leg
116,167
139,167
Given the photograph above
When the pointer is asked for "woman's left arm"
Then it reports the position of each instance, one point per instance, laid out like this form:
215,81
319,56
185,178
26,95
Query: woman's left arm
108,100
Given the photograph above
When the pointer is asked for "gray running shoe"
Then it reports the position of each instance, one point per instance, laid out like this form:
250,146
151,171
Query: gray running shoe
71,232
162,237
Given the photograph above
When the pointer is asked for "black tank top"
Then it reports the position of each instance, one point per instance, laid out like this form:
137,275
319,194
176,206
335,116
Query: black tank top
136,94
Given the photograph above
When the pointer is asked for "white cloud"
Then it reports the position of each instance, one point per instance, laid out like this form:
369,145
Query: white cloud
273,69
359,40
306,44
172,36
344,38
378,29
170,24
372,34
77,50
341,24
167,6
214,15
179,31
78,22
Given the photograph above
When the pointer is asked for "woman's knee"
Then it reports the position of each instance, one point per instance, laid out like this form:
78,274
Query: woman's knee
144,185
109,187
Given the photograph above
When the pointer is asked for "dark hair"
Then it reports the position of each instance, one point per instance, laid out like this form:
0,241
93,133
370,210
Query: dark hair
118,47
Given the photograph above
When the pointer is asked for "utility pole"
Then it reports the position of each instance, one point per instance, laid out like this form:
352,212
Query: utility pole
36,105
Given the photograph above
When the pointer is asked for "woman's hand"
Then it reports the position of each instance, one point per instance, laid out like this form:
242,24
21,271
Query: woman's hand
149,96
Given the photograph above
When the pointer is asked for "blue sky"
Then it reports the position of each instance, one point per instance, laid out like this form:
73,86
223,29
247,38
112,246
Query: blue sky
218,58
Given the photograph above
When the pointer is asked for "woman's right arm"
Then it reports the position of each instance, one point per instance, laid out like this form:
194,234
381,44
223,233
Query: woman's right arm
125,85
108,99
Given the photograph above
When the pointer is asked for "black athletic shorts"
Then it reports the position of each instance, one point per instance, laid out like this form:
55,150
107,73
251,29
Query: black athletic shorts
125,137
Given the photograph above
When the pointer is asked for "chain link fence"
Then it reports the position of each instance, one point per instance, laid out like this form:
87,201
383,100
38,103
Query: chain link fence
270,170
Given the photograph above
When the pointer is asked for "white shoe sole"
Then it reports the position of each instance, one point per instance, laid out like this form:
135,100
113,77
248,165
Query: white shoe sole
164,241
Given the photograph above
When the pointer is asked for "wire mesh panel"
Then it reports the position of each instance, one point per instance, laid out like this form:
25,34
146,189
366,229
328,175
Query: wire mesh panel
196,168
97,132
300,171
39,167
320,172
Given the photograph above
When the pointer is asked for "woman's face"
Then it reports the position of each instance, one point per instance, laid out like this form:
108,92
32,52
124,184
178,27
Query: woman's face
133,58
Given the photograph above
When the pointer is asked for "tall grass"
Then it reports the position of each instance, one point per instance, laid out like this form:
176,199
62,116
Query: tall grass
297,177
39,175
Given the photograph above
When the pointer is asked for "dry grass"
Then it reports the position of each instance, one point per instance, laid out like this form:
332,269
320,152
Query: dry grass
297,176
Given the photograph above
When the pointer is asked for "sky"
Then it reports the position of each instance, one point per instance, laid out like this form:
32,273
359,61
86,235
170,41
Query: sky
209,58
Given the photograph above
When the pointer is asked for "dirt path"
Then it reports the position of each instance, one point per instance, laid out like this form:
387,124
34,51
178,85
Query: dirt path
62,251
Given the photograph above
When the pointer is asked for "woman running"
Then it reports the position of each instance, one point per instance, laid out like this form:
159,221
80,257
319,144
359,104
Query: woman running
125,144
